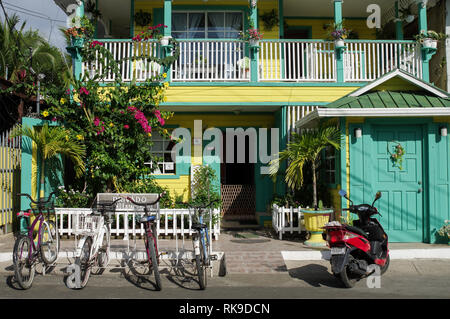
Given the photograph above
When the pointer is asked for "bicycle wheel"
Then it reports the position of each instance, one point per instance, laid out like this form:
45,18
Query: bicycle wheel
49,242
153,261
83,261
199,258
103,256
24,269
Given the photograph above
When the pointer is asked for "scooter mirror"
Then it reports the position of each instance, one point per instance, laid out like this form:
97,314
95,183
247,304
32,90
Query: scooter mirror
342,193
378,195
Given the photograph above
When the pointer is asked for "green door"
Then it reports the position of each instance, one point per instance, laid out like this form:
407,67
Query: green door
401,185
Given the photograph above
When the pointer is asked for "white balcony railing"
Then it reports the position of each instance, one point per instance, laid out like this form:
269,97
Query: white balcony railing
368,60
277,60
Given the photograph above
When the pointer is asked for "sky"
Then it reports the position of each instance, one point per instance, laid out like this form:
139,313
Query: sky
42,15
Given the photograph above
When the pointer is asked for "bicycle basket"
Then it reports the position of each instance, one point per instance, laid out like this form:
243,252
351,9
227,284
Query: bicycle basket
87,224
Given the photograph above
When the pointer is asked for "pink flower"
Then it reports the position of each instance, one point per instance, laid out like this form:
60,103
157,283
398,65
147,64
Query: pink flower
54,119
126,126
84,90
95,43
96,121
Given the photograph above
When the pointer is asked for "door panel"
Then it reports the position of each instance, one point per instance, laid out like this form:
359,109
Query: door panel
401,204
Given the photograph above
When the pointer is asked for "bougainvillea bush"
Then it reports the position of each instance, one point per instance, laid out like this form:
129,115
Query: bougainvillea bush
114,121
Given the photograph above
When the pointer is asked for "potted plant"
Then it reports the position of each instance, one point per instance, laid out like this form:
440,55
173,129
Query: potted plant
430,38
444,231
244,64
91,11
306,148
270,19
338,33
77,33
142,19
251,35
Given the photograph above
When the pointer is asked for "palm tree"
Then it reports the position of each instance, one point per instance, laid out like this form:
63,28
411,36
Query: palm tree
305,147
53,141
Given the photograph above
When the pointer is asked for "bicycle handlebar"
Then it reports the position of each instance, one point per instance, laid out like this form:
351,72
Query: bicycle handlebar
146,204
40,200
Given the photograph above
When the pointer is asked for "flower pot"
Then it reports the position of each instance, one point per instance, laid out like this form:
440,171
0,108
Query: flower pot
165,41
253,42
339,43
430,43
77,42
315,220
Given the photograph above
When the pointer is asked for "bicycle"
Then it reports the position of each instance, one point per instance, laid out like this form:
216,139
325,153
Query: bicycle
28,251
94,247
202,246
150,238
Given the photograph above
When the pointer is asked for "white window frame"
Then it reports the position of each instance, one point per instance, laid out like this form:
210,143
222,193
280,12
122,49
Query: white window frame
205,12
164,163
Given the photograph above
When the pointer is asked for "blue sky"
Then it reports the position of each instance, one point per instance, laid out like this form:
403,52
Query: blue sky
42,15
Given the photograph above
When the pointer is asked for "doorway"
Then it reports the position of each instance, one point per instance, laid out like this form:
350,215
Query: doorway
295,54
237,180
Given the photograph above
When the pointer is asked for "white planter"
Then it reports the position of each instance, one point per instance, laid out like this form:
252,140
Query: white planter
430,43
165,41
339,43
253,42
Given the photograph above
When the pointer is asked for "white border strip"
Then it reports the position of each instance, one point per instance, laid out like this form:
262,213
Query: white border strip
438,253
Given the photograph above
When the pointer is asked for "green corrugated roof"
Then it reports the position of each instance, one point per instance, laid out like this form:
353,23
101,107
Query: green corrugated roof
389,99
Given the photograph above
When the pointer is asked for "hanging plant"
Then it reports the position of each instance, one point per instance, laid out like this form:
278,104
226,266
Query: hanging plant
270,19
397,156
142,18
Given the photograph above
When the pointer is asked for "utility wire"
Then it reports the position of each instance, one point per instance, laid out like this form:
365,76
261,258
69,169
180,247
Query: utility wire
34,15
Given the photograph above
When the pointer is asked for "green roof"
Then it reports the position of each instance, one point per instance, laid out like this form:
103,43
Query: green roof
390,99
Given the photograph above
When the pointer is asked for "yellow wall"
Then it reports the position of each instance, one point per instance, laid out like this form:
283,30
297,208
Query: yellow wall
181,185
318,25
263,94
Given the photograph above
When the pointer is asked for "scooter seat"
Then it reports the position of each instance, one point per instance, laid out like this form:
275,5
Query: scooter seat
357,230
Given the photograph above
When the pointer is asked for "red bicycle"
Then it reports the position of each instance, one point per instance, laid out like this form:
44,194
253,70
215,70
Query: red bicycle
150,237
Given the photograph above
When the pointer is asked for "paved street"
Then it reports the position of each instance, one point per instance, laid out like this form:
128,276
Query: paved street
303,279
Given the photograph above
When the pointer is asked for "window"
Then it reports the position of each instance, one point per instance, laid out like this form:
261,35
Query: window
207,25
162,150
330,165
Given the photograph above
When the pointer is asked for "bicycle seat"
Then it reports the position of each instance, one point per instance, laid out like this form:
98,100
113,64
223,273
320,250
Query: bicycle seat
144,219
198,226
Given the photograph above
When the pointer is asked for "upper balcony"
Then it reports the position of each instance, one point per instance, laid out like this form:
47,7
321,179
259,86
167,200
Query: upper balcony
292,50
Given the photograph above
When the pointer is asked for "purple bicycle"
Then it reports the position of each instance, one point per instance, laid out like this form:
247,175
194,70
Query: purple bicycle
28,250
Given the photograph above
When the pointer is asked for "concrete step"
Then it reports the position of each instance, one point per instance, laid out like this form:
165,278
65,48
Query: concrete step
254,262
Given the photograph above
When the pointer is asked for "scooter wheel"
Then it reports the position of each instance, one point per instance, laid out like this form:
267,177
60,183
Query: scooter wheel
384,268
348,278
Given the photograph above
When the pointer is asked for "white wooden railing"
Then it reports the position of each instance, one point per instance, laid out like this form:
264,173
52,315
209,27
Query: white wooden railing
296,60
212,60
283,220
368,60
277,60
171,222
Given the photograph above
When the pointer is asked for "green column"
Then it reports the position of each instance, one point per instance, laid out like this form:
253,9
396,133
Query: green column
253,14
398,23
168,17
167,32
339,56
74,49
426,53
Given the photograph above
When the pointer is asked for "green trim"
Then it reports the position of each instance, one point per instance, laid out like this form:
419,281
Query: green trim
343,161
398,24
322,18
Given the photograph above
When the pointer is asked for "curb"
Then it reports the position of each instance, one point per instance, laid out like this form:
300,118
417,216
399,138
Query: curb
437,253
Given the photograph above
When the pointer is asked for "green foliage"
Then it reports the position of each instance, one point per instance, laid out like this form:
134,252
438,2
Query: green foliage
270,19
305,148
205,187
72,198
142,18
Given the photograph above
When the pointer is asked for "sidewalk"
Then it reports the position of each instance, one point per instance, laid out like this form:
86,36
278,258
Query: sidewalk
253,251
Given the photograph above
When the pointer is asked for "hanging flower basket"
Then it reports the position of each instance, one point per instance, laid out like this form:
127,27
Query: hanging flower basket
397,156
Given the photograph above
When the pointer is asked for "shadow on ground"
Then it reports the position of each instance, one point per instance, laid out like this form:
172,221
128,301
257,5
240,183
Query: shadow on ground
315,275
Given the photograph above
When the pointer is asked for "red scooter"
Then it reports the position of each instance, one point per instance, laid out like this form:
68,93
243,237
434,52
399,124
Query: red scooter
357,249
